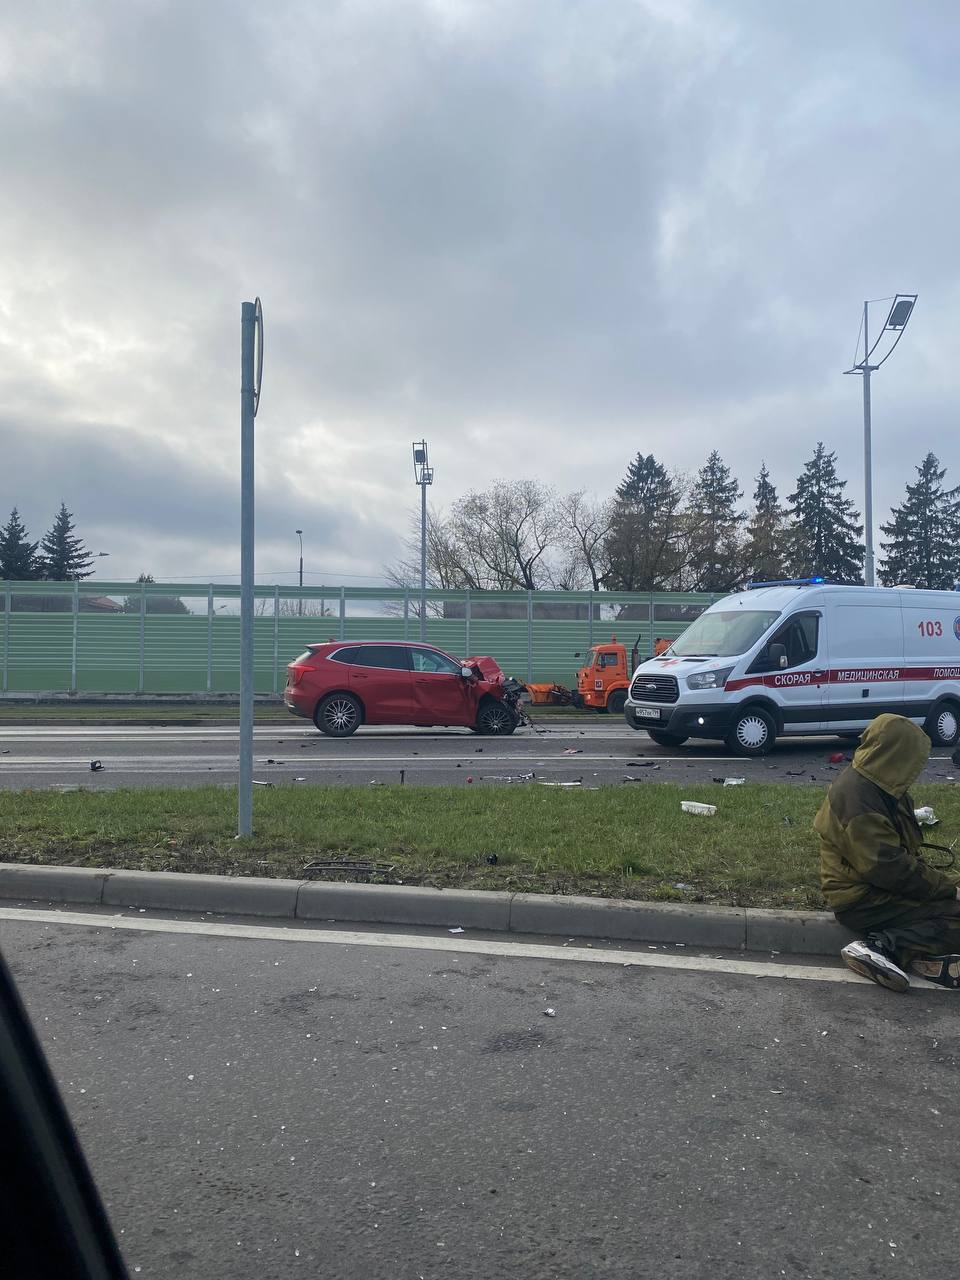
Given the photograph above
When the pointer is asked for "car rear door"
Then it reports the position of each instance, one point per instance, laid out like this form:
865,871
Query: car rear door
380,677
442,695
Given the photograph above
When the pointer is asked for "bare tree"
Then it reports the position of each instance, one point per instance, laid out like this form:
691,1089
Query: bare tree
587,522
504,533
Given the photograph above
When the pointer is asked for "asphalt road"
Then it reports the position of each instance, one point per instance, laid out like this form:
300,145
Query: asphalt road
258,1109
606,751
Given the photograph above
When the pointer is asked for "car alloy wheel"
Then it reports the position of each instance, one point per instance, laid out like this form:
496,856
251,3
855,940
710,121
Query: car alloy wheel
340,715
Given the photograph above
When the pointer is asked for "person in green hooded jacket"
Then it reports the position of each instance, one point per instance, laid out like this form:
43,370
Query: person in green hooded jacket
872,872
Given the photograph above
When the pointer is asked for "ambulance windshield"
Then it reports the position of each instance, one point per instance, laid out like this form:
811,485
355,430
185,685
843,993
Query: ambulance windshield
723,635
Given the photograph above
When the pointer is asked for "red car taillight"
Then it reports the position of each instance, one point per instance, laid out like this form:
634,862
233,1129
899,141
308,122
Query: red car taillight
294,675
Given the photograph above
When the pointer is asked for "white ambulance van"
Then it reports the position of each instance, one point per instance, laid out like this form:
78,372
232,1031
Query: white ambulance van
805,657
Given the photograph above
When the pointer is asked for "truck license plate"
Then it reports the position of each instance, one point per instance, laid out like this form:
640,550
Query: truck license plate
646,713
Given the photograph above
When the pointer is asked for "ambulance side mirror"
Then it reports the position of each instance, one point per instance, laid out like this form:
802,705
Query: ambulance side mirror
778,656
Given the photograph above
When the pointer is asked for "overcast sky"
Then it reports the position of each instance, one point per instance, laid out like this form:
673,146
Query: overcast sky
546,234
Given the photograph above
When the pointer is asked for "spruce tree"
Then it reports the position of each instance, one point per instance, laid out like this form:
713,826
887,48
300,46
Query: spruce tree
923,536
641,547
824,535
64,556
765,552
18,555
713,523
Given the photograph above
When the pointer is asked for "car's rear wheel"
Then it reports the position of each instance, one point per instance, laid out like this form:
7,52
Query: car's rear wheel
617,701
338,715
943,724
666,739
495,719
753,733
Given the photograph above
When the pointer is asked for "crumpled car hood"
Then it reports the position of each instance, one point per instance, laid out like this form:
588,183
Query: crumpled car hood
488,668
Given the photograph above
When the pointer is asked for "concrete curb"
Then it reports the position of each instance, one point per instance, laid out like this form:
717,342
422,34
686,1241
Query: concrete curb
812,933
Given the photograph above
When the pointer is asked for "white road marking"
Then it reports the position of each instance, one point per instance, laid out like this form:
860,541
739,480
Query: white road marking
120,762
295,730
666,959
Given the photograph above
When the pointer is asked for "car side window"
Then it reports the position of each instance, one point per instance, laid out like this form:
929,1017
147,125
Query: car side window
430,660
390,656
800,636
345,655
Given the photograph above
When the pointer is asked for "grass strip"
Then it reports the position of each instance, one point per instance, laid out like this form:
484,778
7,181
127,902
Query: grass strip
628,841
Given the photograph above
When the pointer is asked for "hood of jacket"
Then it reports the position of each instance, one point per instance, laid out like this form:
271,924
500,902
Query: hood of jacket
892,754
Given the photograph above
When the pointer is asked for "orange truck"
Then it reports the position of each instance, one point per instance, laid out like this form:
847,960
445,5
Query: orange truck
602,681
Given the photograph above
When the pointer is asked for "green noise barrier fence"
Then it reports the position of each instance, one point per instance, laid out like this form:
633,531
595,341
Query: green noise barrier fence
175,638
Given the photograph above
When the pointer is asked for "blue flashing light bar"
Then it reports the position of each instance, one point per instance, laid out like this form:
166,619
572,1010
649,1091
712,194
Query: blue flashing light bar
787,582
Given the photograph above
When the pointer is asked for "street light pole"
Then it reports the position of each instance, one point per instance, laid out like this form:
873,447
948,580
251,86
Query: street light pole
299,533
869,574
895,323
251,370
423,474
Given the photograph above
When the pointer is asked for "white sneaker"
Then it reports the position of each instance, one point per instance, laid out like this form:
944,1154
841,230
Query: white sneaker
871,963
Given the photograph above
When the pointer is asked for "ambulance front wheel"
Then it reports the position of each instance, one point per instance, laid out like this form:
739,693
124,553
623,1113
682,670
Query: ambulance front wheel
752,733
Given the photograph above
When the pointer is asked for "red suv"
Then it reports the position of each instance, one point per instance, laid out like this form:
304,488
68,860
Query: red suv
341,686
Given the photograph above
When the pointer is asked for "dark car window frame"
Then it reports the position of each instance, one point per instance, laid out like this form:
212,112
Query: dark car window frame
365,649
347,654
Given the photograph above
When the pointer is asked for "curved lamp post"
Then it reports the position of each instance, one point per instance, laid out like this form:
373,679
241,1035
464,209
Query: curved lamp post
890,334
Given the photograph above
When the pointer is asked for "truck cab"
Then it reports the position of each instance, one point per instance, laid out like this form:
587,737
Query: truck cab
604,679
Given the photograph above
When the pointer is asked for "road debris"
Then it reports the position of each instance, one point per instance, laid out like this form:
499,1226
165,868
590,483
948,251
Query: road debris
925,816
734,782
837,758
641,764
257,783
681,884
692,806
492,859
458,929
549,1013
572,751
299,779
509,777
578,783
96,766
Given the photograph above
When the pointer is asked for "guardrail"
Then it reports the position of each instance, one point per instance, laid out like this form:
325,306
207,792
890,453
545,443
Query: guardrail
184,638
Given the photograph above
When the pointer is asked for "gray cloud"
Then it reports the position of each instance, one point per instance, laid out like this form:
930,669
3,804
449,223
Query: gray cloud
547,235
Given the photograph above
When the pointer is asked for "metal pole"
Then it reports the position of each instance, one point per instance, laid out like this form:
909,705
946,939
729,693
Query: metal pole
76,617
247,338
466,627
343,613
423,561
529,636
651,637
868,559
300,601
8,605
142,641
406,614
276,636
210,638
